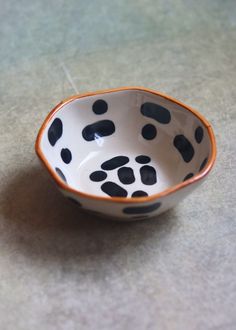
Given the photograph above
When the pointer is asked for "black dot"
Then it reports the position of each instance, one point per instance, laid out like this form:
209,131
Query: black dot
126,175
98,176
66,155
112,189
60,173
148,175
157,112
139,193
184,147
149,132
141,209
114,162
203,164
142,159
75,201
98,129
188,176
55,131
199,134
100,107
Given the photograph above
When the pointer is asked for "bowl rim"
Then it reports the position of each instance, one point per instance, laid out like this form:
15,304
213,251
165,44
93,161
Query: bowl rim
196,178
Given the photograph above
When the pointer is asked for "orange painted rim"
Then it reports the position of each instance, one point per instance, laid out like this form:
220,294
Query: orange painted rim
150,198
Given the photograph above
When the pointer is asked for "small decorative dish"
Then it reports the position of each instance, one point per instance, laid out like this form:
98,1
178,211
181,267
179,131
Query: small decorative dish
127,153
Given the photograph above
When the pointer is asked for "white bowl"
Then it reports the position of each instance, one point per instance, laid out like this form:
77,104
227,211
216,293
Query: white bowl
126,153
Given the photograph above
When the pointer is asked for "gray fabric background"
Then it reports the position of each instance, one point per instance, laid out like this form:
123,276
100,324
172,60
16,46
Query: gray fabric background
61,269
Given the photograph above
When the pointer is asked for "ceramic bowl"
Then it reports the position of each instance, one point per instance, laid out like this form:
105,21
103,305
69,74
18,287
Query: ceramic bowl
126,153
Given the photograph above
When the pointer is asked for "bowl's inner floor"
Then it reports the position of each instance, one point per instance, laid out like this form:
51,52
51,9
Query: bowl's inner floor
124,174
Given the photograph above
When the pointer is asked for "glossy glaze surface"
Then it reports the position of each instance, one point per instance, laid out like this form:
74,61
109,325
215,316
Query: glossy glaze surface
127,143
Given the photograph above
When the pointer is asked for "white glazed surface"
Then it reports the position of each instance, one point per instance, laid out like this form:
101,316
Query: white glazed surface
127,140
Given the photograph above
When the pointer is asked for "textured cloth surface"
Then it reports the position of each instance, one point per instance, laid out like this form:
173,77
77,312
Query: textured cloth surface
61,269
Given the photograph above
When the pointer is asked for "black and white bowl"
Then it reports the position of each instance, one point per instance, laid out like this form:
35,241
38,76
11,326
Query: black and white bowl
126,153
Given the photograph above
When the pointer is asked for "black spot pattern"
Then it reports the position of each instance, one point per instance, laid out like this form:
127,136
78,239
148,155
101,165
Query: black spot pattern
203,164
188,176
126,175
98,129
141,209
199,134
73,200
157,112
98,176
184,147
148,175
55,131
114,162
66,155
114,190
60,173
143,159
139,193
100,107
149,132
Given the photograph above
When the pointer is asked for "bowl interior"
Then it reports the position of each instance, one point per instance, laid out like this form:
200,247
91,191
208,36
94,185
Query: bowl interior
125,143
